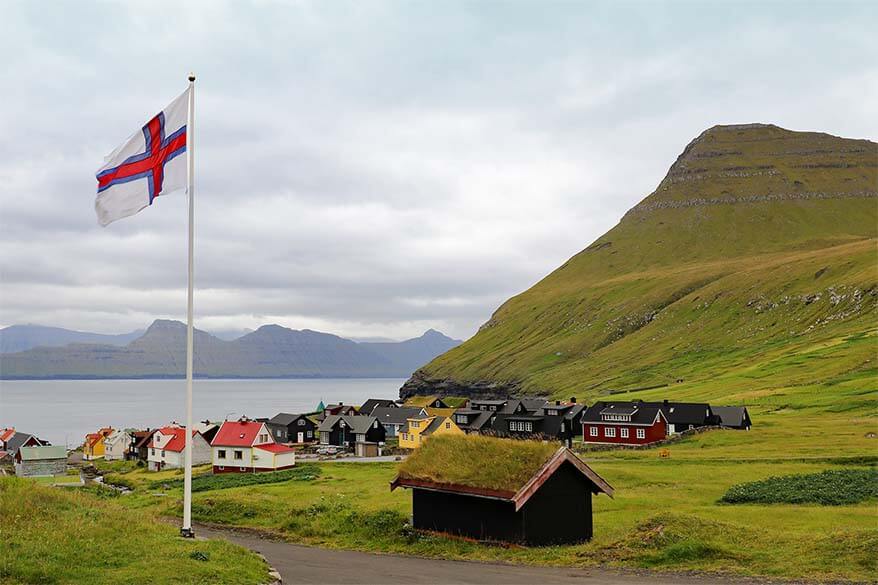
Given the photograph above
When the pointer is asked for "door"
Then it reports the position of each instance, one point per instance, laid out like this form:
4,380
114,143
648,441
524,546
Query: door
301,437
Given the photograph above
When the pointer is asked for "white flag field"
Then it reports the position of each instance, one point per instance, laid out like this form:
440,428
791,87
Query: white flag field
152,162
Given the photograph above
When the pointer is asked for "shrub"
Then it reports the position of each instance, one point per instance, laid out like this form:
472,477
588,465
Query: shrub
828,488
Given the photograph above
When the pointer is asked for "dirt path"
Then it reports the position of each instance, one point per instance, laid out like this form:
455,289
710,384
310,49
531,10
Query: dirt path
304,564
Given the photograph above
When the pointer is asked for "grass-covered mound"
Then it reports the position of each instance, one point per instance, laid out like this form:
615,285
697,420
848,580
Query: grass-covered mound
477,461
829,488
206,482
54,535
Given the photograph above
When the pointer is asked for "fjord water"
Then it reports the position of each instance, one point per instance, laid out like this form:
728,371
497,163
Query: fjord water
63,411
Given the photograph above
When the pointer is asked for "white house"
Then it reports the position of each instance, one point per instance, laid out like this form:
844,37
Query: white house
246,446
116,445
166,449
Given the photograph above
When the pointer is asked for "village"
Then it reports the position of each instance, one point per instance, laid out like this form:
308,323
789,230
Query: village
539,434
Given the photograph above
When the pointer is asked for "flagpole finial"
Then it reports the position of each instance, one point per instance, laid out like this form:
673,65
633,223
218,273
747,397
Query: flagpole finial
191,76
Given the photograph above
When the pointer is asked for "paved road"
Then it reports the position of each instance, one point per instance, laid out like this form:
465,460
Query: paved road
304,564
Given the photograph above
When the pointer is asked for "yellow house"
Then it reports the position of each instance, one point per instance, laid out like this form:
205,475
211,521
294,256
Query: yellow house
93,448
417,430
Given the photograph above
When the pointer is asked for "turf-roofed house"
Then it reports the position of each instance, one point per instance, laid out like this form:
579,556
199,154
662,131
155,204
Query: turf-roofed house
492,489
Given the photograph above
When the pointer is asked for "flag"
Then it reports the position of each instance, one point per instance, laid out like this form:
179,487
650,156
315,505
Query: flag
150,163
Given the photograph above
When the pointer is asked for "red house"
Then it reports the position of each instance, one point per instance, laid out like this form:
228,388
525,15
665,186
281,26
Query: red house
246,446
625,423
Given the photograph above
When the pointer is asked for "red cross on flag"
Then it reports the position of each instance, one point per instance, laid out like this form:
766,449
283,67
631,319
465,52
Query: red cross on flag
150,163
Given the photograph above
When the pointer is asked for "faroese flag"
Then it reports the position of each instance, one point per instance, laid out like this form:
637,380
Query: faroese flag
150,163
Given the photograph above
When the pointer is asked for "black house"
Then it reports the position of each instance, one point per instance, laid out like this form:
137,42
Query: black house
292,428
545,500
345,431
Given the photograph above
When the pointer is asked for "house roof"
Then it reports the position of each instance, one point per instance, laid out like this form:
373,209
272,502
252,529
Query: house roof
644,414
533,403
489,467
6,434
477,418
732,416
143,438
177,442
396,415
357,424
17,440
237,433
92,439
424,401
274,448
370,405
434,425
285,418
43,452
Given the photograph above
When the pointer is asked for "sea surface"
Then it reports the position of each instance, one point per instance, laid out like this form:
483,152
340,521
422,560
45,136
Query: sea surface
64,411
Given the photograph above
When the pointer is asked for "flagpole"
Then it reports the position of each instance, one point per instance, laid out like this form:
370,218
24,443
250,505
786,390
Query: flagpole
186,530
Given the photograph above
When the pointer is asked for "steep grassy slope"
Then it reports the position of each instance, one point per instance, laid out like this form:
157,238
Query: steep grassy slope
757,250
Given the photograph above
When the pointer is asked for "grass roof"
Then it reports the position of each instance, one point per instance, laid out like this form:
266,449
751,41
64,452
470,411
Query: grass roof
477,461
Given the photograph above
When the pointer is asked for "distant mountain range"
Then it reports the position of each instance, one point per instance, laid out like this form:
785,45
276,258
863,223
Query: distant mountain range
272,351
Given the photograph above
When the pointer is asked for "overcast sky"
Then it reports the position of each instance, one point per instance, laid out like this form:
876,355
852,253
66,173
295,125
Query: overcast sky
379,168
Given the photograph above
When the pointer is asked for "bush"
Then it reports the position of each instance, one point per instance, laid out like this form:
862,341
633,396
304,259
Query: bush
828,488
207,482
119,480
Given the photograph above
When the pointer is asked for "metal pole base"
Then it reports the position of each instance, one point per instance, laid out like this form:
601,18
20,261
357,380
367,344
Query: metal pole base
187,533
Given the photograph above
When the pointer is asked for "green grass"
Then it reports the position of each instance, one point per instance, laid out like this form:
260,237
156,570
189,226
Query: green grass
53,535
206,482
830,488
477,461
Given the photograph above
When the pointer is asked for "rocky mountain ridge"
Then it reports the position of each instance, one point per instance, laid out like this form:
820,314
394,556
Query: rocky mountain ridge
271,351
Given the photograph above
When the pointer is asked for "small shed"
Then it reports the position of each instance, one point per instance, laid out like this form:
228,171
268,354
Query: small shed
493,489
41,461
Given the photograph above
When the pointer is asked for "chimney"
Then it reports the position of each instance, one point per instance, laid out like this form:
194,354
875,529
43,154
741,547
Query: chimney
557,403
340,403
665,401
573,400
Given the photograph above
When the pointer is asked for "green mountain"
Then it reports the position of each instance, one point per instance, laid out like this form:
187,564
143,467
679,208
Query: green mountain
754,261
21,337
271,351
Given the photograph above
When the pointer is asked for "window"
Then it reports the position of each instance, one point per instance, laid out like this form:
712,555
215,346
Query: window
552,412
448,425
301,422
308,434
593,431
277,433
375,424
239,454
610,432
641,433
221,454
461,419
528,426
414,424
623,432
493,407
152,451
163,454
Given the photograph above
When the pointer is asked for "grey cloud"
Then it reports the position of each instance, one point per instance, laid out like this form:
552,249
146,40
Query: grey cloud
378,168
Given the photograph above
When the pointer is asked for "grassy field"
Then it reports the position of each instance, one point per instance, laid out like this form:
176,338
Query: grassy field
68,535
667,513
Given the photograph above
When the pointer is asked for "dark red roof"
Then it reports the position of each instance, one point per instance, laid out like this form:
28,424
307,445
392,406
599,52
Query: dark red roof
236,433
274,448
